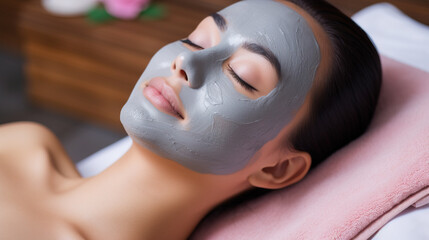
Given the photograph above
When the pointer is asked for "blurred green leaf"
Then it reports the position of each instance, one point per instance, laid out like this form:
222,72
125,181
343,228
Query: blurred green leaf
153,11
99,15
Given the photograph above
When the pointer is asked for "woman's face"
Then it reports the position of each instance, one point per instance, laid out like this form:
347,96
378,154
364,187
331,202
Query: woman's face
211,101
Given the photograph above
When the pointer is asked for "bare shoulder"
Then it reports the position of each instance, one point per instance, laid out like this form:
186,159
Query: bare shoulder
25,133
21,136
25,138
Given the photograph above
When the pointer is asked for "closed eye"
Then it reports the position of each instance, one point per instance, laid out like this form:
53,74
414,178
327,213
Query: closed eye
244,84
190,43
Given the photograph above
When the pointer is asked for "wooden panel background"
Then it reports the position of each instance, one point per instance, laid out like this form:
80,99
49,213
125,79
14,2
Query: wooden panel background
9,31
88,70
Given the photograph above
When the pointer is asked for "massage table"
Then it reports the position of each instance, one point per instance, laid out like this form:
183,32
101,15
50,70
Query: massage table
397,37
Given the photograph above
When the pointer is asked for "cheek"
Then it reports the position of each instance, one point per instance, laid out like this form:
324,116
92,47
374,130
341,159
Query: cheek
214,94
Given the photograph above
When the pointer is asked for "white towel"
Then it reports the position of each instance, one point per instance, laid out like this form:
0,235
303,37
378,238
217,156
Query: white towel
395,34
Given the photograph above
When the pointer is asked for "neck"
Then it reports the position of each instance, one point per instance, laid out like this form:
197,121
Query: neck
166,200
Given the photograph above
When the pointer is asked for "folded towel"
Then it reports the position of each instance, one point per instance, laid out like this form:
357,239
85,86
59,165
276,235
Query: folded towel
359,188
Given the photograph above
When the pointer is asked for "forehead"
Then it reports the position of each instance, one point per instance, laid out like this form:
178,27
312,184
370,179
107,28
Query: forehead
263,20
259,13
274,26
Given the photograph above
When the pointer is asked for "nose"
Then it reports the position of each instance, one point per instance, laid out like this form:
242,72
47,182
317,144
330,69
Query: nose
188,68
177,69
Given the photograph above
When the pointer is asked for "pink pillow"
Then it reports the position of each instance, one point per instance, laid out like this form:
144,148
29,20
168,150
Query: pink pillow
360,187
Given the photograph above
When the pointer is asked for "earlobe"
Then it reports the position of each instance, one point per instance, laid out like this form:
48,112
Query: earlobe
286,172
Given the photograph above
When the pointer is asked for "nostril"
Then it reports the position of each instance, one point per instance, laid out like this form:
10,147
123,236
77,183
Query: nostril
183,73
174,66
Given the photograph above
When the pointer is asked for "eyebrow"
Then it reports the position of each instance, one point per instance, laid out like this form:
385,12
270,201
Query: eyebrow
219,20
266,53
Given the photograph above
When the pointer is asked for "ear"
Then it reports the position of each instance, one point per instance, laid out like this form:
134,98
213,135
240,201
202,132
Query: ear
292,168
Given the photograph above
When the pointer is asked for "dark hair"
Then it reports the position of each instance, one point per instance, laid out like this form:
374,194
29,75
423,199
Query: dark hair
342,107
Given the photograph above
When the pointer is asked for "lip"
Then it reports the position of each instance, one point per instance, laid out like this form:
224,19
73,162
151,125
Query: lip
163,97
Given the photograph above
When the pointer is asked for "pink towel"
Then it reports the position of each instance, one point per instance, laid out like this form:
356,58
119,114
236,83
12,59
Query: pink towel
359,188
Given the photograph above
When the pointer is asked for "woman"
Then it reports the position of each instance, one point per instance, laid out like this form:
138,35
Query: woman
256,95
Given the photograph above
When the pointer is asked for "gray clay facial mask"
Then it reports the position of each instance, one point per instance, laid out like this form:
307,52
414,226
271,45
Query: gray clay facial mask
223,129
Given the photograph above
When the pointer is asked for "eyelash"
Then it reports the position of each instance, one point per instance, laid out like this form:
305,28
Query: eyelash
190,43
239,80
244,84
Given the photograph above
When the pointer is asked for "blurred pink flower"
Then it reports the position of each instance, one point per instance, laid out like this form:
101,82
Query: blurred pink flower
125,9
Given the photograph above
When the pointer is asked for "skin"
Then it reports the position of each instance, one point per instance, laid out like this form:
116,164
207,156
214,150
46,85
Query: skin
141,196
